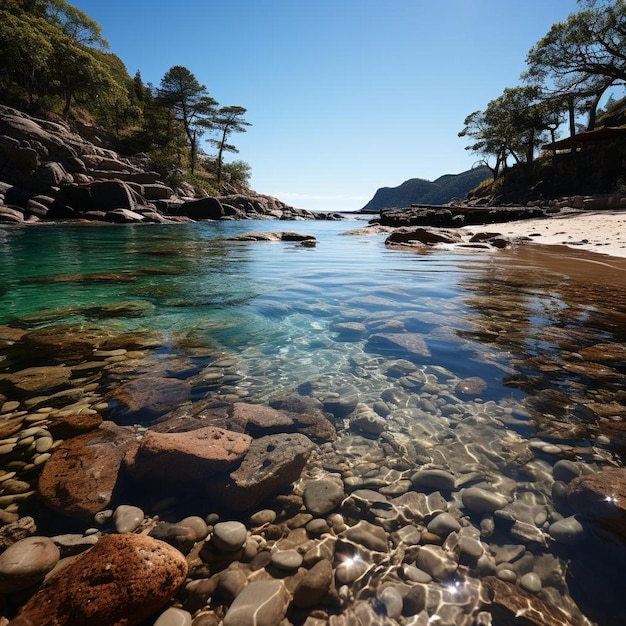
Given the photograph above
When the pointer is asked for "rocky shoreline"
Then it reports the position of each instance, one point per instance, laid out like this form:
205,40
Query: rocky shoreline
48,172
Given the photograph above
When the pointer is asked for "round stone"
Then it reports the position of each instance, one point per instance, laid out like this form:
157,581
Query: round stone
568,531
231,582
507,575
265,516
127,518
480,500
472,386
416,575
565,470
443,524
288,560
432,480
26,562
531,582
197,524
261,602
229,536
392,601
323,496
349,570
174,617
317,527
471,547
181,537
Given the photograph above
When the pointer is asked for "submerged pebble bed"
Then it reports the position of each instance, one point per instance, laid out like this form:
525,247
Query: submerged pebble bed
466,393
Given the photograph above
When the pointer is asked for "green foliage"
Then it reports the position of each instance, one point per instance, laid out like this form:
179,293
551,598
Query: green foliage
191,103
237,173
54,57
74,23
225,121
568,72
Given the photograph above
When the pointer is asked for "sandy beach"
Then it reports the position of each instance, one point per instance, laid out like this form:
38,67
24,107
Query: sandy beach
602,231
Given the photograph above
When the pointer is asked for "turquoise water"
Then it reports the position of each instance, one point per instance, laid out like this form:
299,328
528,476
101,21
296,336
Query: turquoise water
277,300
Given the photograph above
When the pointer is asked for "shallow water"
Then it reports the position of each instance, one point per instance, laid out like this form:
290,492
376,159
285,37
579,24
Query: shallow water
534,324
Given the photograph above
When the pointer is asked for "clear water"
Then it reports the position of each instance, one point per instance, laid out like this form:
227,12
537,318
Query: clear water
520,320
273,299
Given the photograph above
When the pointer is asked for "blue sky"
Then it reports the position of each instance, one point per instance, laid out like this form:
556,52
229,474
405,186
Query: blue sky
345,96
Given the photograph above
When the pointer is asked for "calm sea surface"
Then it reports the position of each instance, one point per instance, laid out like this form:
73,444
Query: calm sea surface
534,324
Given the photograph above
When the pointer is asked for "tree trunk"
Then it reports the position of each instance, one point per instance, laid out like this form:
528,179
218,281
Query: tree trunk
593,109
220,157
572,122
68,104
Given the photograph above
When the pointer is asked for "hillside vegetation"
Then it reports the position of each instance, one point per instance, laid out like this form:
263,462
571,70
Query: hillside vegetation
55,63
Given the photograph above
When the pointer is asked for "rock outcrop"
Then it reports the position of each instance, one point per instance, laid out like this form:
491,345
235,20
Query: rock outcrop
49,172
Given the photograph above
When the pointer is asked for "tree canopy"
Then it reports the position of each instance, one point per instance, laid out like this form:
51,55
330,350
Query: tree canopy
568,70
225,121
53,56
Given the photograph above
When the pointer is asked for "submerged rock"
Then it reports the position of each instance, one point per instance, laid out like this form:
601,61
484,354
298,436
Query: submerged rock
272,463
81,476
26,562
123,579
601,497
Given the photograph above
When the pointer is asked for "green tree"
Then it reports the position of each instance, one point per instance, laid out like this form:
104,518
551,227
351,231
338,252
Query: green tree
181,91
582,56
512,126
78,74
226,121
25,52
238,172
74,23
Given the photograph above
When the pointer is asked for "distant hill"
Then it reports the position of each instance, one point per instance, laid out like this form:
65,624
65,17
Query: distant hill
420,191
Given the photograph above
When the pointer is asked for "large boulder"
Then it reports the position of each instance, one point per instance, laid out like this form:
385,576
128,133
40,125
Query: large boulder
271,465
109,195
123,579
81,476
203,209
187,458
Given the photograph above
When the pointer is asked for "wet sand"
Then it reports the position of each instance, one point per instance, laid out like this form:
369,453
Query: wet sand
602,231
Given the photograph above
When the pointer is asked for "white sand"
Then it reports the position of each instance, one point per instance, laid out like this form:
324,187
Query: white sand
601,231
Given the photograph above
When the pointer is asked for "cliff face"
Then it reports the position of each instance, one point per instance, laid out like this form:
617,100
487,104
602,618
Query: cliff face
48,172
420,191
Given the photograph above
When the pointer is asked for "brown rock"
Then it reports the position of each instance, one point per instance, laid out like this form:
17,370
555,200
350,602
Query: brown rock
421,236
61,344
272,463
109,195
80,478
510,604
307,417
121,581
66,426
601,497
38,379
188,457
472,386
142,399
16,530
314,585
258,420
